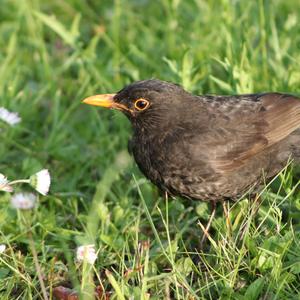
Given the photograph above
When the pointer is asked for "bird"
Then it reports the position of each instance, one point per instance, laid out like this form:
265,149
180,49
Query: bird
207,147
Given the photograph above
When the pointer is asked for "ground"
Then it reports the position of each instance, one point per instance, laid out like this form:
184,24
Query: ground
55,53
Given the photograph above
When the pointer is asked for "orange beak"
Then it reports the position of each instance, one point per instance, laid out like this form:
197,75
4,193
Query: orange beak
104,100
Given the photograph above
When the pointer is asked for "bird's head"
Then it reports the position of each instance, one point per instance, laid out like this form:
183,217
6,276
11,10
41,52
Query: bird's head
145,102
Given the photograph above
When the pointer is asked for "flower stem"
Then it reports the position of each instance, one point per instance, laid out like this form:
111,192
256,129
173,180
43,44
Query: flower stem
87,284
37,265
19,181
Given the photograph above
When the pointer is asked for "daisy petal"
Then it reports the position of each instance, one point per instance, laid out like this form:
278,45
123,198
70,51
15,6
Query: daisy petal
86,253
8,117
41,181
23,201
4,184
2,248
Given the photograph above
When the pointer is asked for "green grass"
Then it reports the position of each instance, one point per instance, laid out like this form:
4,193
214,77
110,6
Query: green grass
55,53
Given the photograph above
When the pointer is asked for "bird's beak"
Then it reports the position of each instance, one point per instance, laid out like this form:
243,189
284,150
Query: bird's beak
104,100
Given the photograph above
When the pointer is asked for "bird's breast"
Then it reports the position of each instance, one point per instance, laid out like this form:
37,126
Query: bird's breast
150,158
166,162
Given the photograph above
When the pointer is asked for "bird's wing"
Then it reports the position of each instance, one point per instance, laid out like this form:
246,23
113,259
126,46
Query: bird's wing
248,128
282,114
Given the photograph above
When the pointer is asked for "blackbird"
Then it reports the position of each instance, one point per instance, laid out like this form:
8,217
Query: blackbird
208,147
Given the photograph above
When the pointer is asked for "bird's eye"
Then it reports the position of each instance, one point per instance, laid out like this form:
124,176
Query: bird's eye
141,104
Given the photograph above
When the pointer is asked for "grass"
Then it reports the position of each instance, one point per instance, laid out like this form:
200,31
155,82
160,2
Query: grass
55,53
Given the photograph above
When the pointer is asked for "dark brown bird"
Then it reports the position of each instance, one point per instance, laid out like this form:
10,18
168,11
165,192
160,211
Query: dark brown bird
207,147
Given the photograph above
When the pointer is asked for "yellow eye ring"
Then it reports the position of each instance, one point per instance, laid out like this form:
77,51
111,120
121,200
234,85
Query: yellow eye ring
141,104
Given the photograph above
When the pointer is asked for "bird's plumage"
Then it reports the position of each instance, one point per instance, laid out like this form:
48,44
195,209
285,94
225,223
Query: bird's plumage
210,147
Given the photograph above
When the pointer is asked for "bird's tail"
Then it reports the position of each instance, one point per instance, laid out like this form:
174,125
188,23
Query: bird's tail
295,146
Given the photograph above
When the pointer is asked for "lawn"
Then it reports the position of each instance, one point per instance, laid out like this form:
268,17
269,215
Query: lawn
55,53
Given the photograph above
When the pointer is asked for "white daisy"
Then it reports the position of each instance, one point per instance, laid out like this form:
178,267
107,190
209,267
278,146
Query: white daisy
4,184
23,201
86,253
2,248
41,181
8,117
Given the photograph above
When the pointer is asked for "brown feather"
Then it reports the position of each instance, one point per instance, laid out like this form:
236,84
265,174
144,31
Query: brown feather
278,116
282,115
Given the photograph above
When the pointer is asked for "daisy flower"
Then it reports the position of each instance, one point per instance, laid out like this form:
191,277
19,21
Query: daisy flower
2,248
86,253
23,201
8,117
4,184
41,181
